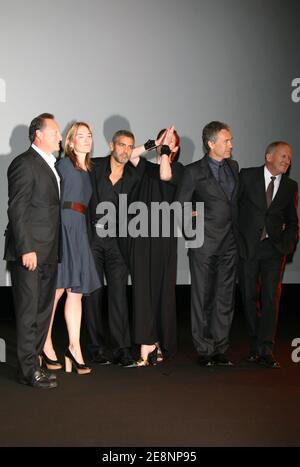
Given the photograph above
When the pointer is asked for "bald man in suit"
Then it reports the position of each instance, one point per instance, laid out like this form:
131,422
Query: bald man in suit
268,226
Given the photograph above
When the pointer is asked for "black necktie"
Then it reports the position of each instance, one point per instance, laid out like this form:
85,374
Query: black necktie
270,191
224,180
269,197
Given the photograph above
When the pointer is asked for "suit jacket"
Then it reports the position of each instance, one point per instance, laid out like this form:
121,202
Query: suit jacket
220,213
33,209
280,219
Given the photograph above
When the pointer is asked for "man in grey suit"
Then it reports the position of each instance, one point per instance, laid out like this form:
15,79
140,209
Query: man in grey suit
268,225
213,180
32,244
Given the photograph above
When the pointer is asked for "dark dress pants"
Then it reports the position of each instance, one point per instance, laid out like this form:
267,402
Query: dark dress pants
213,281
260,284
33,295
109,262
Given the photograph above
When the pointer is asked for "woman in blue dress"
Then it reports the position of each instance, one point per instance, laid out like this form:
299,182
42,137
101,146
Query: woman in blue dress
77,272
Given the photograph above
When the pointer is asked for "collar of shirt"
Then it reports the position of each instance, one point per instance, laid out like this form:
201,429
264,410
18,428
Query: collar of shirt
108,172
268,175
49,158
215,162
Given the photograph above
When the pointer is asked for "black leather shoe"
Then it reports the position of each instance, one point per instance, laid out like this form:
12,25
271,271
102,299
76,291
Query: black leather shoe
101,359
50,376
252,357
268,361
124,359
204,360
39,380
221,360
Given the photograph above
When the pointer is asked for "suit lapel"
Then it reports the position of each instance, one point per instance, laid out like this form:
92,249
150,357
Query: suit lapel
258,189
235,174
280,194
99,175
61,180
46,168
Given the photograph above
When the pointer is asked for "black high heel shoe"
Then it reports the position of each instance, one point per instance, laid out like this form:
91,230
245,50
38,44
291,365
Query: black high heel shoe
47,362
151,359
71,363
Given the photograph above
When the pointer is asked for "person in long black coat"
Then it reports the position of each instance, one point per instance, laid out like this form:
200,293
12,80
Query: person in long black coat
153,260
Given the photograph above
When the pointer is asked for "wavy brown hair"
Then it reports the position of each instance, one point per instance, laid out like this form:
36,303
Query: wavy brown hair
69,151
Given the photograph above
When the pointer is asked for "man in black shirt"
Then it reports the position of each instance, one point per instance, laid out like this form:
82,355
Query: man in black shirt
111,176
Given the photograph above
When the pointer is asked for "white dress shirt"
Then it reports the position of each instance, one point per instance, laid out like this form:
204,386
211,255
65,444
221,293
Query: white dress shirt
51,161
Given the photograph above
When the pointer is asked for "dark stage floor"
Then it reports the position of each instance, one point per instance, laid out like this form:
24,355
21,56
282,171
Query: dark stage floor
173,404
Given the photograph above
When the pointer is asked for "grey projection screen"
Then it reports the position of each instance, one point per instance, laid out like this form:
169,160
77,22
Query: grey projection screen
143,65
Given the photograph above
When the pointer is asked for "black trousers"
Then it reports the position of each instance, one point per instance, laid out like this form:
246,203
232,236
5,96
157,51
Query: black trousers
260,284
213,280
33,295
109,262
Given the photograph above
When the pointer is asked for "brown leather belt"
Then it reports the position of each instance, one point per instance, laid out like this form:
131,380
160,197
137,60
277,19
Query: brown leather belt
75,206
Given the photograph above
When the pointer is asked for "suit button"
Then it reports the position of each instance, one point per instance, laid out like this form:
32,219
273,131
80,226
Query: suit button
267,214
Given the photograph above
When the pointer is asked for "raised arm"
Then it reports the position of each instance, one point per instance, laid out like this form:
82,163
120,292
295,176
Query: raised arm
165,170
148,146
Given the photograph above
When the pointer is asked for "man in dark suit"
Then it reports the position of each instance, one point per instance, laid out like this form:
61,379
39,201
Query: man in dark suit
32,244
213,180
111,176
268,226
